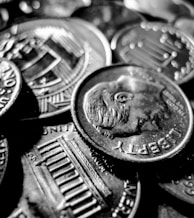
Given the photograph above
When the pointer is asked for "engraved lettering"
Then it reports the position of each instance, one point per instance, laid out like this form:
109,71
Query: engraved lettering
3,101
164,144
153,146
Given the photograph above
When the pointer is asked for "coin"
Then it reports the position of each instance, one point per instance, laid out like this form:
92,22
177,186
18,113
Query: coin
56,8
3,156
109,17
71,183
52,58
182,188
132,113
166,211
180,183
10,85
158,46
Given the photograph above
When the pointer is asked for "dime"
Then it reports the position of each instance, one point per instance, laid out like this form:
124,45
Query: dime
52,58
109,17
10,85
70,182
159,46
132,113
3,156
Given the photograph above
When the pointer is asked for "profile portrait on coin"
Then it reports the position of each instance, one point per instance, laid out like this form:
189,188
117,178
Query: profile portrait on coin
124,107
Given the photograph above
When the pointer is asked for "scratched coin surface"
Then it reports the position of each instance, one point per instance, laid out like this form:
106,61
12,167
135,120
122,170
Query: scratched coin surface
109,17
159,46
52,57
62,177
10,84
132,113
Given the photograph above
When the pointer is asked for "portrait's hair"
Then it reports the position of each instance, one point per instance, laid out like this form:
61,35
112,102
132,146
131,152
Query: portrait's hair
125,107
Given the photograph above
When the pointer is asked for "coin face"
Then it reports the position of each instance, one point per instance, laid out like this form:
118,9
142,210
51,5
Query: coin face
158,46
132,113
10,84
109,17
70,183
3,156
52,58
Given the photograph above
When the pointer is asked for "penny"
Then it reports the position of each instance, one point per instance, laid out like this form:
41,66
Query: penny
10,85
52,58
70,182
132,113
159,46
109,17
3,156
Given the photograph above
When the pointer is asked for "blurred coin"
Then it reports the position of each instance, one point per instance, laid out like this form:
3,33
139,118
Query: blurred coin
52,57
3,156
52,8
185,24
159,46
165,211
69,181
168,10
180,183
10,85
132,113
109,16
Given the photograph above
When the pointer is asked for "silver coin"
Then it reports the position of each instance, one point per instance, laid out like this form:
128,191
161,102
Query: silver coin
132,113
69,183
10,85
159,46
109,16
52,57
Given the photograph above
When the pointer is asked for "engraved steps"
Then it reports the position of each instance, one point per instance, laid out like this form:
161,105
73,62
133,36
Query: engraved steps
75,185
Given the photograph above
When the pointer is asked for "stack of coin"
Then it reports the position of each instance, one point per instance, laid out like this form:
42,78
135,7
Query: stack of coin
95,110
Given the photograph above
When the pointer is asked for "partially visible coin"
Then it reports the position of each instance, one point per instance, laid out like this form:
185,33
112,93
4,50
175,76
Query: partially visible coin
10,85
109,16
52,57
182,188
3,156
52,8
159,46
132,113
166,211
69,182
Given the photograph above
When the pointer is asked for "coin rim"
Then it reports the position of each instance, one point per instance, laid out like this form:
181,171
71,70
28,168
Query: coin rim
131,158
17,88
169,28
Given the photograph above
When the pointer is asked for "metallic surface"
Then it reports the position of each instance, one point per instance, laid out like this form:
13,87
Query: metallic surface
52,58
3,156
10,84
52,8
109,17
132,113
62,179
159,46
